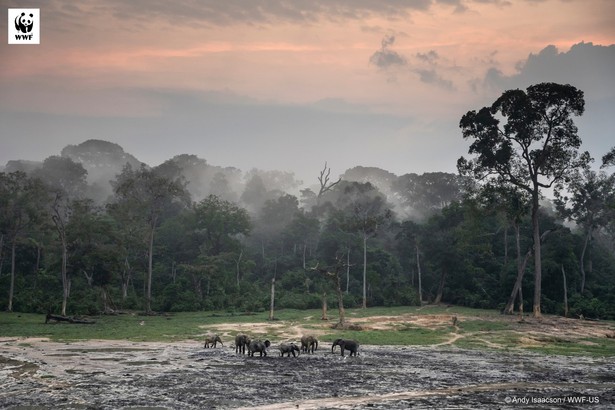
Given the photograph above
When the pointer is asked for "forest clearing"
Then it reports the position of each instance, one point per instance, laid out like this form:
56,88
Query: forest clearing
407,357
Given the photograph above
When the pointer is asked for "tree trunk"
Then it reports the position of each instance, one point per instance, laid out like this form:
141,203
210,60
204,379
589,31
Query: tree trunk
324,307
506,245
347,270
65,281
565,293
37,267
440,287
38,258
88,277
12,286
238,264
364,270
582,261
125,279
272,305
197,283
304,250
521,265
418,268
150,260
340,300
520,293
505,262
537,255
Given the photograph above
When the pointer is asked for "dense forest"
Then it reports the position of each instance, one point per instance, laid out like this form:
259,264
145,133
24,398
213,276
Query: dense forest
527,223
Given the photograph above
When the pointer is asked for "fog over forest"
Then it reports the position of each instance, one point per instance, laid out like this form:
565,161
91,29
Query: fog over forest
104,160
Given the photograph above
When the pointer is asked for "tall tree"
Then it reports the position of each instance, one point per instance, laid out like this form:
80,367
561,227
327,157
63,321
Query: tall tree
21,208
66,180
527,139
585,201
365,212
150,194
93,246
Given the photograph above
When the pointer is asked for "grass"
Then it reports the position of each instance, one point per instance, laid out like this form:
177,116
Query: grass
415,336
586,347
477,329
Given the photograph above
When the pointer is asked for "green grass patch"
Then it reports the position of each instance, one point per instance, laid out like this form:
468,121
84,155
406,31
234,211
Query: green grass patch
415,336
470,326
595,347
491,333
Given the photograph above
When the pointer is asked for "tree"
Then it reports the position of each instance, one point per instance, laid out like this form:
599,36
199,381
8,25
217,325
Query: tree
149,195
365,211
325,183
93,246
585,201
423,195
21,208
219,223
254,194
408,242
608,159
333,273
66,180
527,139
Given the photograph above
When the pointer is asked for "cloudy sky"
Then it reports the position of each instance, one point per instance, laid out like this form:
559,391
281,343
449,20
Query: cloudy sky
289,84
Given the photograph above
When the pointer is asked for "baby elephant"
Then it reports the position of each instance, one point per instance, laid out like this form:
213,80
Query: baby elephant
288,348
211,340
308,344
350,345
256,346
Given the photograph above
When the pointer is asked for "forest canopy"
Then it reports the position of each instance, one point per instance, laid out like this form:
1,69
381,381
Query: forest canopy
93,230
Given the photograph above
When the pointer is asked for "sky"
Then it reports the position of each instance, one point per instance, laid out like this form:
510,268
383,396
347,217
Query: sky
290,84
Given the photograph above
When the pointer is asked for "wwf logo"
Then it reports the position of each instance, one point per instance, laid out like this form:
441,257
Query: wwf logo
24,26
24,23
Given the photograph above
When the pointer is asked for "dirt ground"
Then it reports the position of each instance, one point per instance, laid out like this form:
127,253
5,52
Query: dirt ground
39,374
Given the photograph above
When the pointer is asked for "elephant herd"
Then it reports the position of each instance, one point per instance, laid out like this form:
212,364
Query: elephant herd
309,344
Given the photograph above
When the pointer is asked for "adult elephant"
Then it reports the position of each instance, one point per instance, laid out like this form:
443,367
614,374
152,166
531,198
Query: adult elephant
288,348
257,346
351,345
241,342
308,344
211,340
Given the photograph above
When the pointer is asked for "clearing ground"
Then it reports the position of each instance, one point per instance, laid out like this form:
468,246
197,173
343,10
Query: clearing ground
103,374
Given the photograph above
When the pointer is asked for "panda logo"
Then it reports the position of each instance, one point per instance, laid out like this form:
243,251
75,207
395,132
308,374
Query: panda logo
24,23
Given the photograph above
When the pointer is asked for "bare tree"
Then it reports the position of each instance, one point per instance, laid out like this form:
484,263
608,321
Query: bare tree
325,183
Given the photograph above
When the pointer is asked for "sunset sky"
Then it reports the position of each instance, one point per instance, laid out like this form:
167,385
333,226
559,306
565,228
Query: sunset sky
289,84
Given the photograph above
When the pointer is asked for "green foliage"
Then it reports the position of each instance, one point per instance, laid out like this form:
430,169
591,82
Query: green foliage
591,308
216,254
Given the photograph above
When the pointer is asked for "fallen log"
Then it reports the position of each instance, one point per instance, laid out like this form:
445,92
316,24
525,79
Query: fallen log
69,319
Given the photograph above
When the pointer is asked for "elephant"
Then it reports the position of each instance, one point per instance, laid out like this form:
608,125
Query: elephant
241,342
350,345
288,348
308,344
258,346
211,340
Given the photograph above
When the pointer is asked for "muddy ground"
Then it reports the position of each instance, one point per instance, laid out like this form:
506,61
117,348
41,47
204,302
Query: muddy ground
38,374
